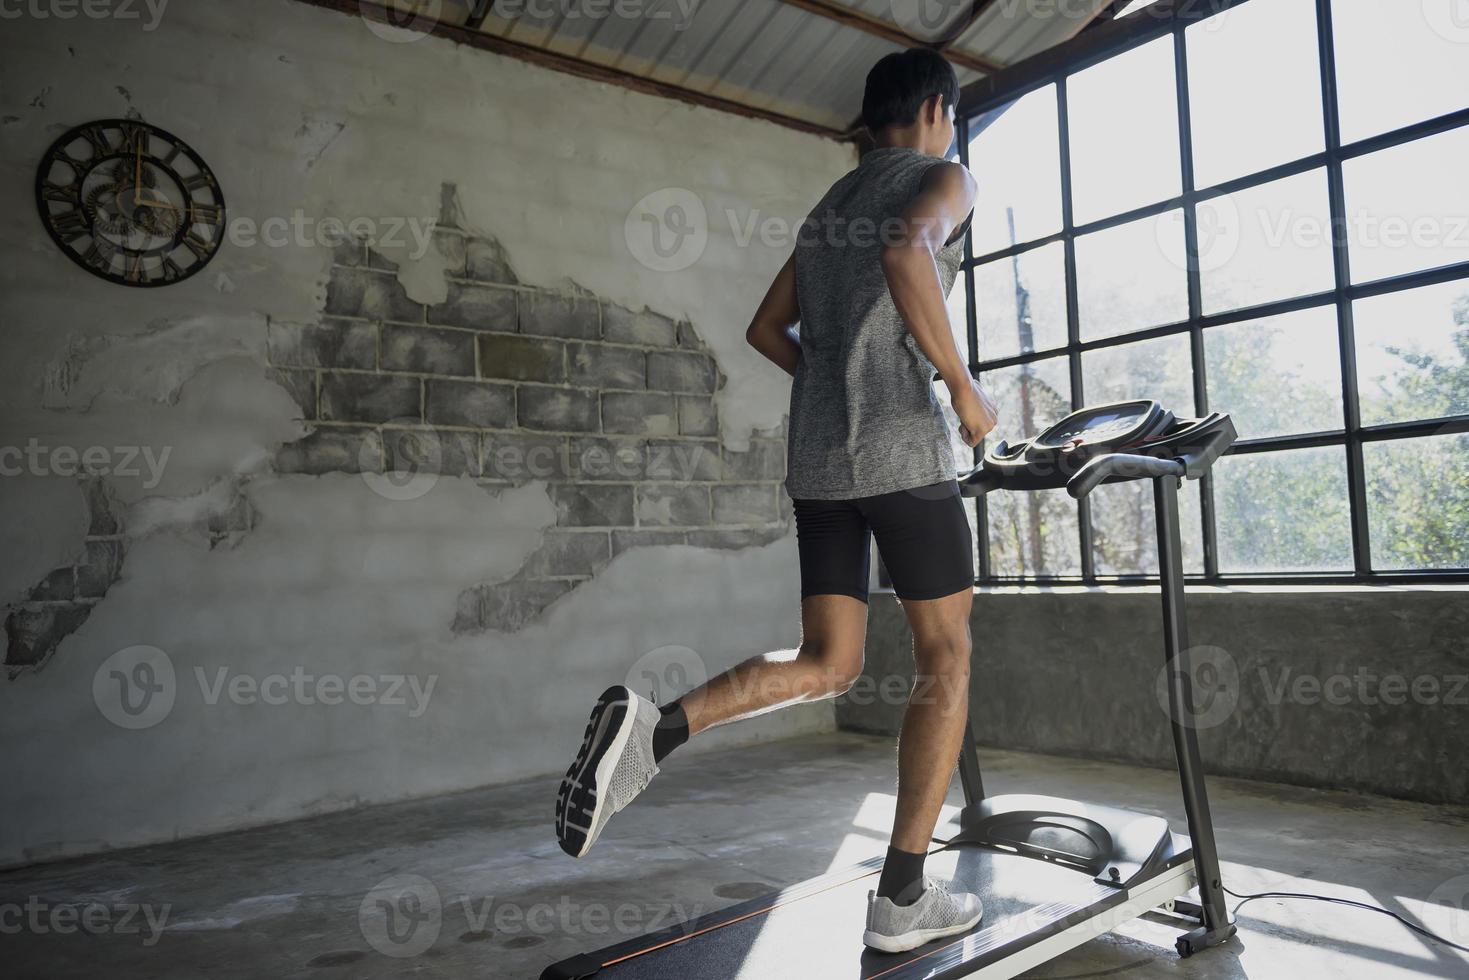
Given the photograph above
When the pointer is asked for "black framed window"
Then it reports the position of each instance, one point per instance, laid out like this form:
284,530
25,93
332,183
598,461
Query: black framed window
1259,211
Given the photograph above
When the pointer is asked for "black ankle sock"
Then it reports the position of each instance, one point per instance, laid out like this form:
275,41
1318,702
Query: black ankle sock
902,877
672,730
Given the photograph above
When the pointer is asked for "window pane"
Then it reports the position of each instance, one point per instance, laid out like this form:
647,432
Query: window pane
1022,303
1266,243
1413,353
963,455
1031,533
1277,376
959,315
1123,115
1158,369
1016,156
1398,62
1408,207
1418,502
1029,397
1246,119
963,459
959,325
1125,532
1132,276
1283,511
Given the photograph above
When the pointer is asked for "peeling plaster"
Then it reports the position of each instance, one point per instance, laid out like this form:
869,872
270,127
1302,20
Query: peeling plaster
151,366
330,576
314,138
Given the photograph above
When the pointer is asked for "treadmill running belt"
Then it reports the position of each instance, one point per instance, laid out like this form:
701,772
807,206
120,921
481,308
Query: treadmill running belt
821,936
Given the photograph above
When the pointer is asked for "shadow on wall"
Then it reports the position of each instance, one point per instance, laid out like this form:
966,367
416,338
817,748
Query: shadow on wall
501,383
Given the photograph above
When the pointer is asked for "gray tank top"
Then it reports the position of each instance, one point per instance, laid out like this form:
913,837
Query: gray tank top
864,416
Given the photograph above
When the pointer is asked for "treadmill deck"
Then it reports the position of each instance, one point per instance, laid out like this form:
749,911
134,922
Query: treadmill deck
820,936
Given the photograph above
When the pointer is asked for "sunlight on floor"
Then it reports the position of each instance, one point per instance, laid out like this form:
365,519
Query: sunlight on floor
1277,938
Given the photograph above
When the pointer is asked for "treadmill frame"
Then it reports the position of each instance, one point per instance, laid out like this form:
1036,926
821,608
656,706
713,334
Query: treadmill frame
1066,928
1175,866
1213,915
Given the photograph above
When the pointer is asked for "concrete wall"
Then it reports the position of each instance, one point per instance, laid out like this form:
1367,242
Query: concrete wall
1344,688
316,572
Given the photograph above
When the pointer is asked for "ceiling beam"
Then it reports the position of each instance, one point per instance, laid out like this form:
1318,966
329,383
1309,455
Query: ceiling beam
889,31
582,68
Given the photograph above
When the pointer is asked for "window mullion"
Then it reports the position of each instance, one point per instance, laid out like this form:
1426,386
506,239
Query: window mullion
1073,317
1195,287
1341,262
971,337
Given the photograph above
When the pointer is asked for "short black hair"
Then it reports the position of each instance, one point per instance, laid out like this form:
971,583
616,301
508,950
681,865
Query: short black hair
901,82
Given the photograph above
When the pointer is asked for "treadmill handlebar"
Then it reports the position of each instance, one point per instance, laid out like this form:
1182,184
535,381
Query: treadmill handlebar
978,482
1127,465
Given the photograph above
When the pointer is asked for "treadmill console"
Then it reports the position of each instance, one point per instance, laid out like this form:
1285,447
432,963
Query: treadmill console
1131,429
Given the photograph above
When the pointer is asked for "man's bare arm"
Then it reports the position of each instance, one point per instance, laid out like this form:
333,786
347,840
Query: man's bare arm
772,332
944,200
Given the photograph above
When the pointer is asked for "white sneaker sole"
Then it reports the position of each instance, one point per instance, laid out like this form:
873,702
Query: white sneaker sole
903,942
580,804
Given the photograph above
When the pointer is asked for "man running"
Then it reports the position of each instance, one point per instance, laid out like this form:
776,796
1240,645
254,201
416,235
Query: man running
869,456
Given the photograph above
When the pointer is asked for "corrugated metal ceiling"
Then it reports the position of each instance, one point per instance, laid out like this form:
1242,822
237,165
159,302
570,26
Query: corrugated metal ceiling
798,60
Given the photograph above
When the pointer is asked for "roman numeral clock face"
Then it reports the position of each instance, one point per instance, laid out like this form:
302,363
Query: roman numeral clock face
130,203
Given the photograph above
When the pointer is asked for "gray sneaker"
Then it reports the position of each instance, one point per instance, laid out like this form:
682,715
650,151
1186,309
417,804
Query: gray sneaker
615,764
937,913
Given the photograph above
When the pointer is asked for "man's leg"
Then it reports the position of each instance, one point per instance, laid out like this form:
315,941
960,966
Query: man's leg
925,541
930,738
828,661
904,912
833,541
934,724
628,737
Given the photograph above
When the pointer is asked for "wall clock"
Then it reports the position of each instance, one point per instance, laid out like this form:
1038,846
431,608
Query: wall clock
130,203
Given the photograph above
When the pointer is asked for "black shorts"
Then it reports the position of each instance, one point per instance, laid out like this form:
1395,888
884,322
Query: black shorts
922,534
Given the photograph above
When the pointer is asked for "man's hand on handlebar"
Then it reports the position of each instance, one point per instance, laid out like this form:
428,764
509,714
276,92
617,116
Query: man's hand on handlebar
977,413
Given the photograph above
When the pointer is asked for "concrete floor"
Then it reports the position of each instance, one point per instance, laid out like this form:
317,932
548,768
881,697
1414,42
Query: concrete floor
299,900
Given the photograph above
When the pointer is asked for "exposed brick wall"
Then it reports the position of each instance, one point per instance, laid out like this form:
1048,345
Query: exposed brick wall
505,384
60,603
501,383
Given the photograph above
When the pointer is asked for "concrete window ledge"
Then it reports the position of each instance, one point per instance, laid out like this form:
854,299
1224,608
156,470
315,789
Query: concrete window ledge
1143,588
1360,687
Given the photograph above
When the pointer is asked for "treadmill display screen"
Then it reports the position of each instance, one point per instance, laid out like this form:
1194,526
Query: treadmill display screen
1097,428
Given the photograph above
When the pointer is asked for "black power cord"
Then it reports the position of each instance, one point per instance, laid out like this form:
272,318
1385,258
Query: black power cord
1345,901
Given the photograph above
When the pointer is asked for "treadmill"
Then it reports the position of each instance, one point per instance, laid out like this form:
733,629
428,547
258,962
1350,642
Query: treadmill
1052,873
